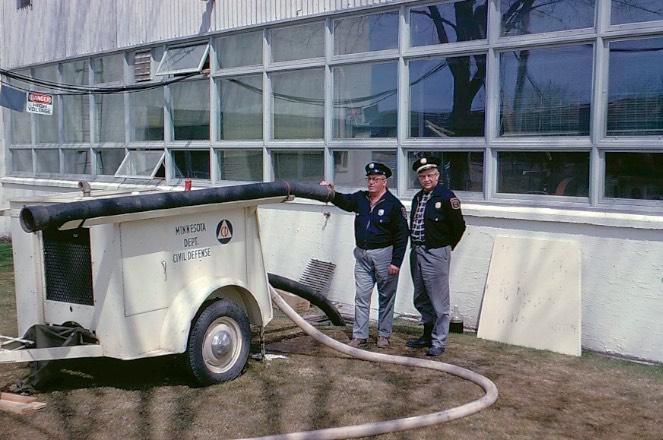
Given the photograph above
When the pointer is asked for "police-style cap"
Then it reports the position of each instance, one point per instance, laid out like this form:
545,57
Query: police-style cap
425,163
378,168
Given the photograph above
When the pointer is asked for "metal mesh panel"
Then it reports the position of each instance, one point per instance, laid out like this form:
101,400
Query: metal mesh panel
318,275
67,266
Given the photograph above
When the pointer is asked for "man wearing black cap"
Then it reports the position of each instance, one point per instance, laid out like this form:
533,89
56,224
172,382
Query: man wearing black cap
436,226
381,234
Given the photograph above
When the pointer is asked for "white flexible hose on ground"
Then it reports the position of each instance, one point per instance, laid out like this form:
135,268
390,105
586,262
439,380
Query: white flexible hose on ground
369,429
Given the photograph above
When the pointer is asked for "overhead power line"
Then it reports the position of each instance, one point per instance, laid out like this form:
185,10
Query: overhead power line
62,89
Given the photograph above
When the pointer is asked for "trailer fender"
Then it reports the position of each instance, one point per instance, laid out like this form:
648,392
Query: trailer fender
190,301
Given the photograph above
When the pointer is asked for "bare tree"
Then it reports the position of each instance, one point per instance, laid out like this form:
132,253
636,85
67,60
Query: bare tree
469,23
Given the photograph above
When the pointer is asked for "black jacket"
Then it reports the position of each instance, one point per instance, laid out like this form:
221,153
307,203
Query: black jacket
385,225
444,224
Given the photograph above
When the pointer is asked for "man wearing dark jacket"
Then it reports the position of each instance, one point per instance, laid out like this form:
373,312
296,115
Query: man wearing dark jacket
381,235
436,227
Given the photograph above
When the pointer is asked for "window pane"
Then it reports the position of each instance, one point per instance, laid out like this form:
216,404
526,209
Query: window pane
241,107
298,104
147,114
367,33
76,118
108,69
110,117
634,11
183,60
141,163
550,173
298,42
76,107
190,108
350,167
21,122
241,165
48,161
304,166
240,50
109,160
21,127
460,170
529,17
635,91
448,23
365,100
546,91
47,125
22,160
191,164
447,96
77,161
634,175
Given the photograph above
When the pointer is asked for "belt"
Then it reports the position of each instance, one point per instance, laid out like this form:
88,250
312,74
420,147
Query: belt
374,247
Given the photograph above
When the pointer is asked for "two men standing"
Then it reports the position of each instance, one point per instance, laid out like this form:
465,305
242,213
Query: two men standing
381,234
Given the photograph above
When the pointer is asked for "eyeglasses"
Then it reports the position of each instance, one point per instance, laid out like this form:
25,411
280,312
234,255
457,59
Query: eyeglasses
376,179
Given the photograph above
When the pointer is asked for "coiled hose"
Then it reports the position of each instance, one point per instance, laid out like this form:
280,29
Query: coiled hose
369,429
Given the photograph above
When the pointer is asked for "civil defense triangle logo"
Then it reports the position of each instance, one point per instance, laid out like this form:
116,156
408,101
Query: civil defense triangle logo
224,231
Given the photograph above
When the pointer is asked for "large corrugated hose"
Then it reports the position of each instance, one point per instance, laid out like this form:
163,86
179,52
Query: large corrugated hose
304,291
369,429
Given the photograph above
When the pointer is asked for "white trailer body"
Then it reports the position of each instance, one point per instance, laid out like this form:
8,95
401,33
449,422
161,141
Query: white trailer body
140,281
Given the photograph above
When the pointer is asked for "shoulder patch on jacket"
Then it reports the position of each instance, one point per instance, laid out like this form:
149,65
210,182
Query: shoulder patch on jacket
455,203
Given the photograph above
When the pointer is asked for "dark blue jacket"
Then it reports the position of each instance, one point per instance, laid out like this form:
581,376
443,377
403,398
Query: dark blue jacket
385,225
444,224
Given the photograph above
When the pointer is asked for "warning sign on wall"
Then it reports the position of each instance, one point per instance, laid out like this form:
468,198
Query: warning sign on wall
39,103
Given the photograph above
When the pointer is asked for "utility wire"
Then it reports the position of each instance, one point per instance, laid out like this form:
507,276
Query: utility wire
73,89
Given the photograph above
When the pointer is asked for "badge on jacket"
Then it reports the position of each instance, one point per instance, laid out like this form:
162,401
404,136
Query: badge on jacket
455,203
438,205
380,212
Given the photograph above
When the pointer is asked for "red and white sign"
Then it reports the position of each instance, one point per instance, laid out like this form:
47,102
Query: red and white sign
40,103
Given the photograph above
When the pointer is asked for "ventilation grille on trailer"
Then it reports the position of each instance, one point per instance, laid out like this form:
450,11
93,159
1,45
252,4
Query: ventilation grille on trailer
68,266
318,275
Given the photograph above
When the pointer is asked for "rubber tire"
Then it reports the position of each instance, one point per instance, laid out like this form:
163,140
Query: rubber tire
224,317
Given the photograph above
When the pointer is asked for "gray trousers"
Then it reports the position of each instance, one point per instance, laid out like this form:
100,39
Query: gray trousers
430,276
371,268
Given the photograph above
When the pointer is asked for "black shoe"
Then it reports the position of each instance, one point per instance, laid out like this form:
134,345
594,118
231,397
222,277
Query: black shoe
435,351
419,343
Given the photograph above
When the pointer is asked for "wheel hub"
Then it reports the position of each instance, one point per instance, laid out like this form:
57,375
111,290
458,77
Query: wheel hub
221,347
221,344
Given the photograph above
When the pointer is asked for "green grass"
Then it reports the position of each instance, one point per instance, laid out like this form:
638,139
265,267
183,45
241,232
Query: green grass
7,293
6,259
